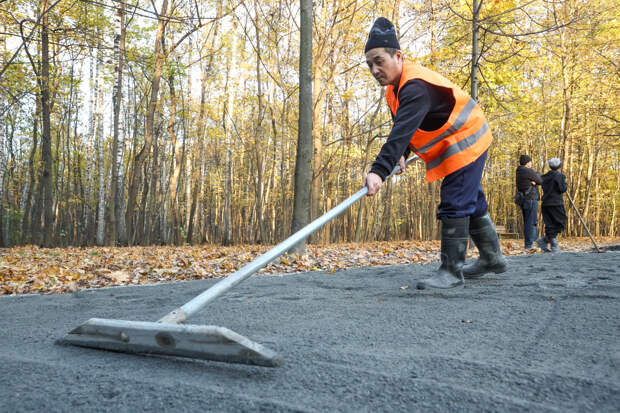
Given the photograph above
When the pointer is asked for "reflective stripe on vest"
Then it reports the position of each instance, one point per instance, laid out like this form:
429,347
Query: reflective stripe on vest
460,141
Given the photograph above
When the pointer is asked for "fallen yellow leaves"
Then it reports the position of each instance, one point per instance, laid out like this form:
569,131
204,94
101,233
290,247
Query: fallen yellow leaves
30,269
120,276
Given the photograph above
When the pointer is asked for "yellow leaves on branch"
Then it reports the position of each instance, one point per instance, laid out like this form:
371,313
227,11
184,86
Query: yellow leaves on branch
30,269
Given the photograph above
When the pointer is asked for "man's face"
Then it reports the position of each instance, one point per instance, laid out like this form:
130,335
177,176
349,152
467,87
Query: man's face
528,165
385,68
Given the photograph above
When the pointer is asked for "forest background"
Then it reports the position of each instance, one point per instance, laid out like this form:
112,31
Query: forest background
175,122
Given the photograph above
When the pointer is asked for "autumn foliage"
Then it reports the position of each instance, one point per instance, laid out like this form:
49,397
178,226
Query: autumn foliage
177,123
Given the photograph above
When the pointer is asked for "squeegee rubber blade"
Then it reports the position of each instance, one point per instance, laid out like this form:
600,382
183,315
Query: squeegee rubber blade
192,341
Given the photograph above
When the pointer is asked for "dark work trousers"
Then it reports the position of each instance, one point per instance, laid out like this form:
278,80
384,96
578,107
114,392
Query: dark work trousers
461,192
554,218
530,229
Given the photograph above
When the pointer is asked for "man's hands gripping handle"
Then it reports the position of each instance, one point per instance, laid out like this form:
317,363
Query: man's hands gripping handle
373,181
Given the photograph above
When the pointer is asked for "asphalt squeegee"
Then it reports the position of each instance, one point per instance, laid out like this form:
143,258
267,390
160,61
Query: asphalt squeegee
170,336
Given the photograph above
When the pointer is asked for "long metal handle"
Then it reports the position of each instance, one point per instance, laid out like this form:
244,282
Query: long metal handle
582,221
182,313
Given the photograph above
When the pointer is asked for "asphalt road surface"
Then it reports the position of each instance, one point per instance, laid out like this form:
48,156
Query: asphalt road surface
544,336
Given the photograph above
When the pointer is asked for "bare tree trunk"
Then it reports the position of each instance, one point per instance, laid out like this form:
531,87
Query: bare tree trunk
3,122
614,205
46,138
227,233
317,129
100,237
361,219
3,132
188,133
177,161
196,176
227,217
28,220
316,186
78,230
116,234
65,187
433,187
303,172
150,116
566,114
90,162
258,136
475,50
3,51
4,148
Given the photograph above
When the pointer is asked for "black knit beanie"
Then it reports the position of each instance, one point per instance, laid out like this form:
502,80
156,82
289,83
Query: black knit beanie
382,34
524,159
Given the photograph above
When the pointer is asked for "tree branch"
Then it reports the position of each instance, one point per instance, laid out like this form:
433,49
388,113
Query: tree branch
7,64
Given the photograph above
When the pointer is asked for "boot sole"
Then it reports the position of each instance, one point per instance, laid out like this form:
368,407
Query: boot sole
422,286
542,246
493,270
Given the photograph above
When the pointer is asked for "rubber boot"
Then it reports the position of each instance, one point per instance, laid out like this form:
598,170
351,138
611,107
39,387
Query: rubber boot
555,247
453,250
482,232
542,244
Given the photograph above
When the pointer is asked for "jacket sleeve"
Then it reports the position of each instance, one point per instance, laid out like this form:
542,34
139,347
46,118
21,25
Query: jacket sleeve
532,175
413,105
562,185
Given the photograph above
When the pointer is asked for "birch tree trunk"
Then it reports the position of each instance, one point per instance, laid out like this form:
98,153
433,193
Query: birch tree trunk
4,239
116,233
227,217
90,161
188,133
612,224
3,126
100,237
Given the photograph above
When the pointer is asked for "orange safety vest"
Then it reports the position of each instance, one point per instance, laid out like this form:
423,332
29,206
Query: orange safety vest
460,141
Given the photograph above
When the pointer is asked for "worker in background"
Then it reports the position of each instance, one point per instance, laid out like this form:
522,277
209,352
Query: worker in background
527,180
553,212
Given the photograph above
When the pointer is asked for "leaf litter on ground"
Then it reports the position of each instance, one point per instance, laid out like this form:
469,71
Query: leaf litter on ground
30,269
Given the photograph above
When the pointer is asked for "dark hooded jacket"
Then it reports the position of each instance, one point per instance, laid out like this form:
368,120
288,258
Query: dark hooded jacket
524,178
553,185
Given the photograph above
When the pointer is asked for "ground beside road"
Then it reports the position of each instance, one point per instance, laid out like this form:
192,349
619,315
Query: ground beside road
544,336
32,270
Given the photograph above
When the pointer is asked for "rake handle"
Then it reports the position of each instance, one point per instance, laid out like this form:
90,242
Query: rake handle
582,221
182,313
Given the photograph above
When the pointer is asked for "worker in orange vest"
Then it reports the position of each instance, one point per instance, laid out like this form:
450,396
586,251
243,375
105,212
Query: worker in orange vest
446,128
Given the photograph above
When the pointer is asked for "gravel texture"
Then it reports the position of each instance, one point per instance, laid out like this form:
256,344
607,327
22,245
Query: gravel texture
544,336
